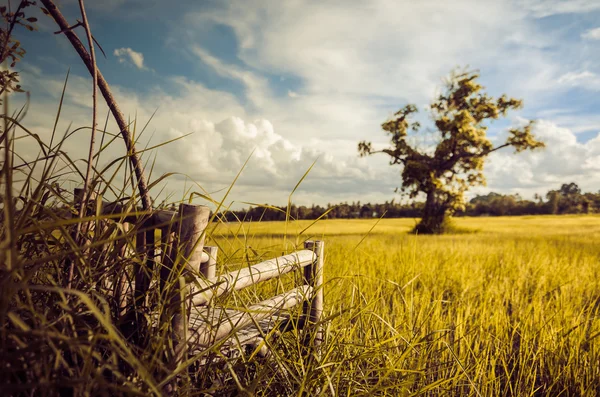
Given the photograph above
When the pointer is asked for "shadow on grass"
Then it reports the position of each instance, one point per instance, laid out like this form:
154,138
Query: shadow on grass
448,227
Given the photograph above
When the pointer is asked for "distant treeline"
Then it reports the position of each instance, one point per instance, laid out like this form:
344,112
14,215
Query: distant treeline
567,200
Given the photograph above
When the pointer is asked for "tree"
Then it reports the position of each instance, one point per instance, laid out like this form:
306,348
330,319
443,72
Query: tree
570,190
443,174
553,199
10,48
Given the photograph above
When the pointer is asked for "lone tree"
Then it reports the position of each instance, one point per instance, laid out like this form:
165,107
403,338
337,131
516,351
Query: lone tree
444,174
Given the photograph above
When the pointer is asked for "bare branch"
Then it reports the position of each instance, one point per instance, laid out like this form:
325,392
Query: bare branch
87,191
70,28
112,104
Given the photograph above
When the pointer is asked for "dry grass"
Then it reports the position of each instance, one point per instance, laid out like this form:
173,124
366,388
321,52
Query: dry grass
512,309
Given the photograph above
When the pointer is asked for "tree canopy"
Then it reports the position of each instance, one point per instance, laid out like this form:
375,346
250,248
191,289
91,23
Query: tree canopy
444,174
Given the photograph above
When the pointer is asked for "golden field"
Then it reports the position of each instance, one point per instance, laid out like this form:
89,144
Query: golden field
505,306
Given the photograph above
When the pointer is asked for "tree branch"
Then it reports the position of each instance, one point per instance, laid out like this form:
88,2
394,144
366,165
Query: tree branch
87,191
70,28
110,100
389,153
453,160
12,24
498,148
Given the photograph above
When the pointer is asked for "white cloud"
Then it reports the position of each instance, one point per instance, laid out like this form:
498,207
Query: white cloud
354,63
591,34
275,161
563,160
362,49
545,8
218,147
129,55
585,79
577,122
257,87
357,63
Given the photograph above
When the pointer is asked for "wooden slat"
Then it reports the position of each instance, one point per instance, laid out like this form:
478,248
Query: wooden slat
209,325
243,278
159,217
250,338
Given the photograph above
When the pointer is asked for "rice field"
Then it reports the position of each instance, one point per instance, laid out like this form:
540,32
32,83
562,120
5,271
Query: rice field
507,306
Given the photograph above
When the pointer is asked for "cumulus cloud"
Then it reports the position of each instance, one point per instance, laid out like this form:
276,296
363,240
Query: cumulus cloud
356,64
565,159
217,152
214,145
577,123
128,55
220,144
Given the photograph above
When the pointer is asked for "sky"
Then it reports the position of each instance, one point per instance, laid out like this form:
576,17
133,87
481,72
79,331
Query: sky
287,84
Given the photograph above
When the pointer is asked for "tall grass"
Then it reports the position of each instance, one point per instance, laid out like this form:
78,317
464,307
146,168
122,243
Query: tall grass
512,309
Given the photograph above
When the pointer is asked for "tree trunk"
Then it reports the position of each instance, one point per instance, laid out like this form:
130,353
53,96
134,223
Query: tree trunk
434,216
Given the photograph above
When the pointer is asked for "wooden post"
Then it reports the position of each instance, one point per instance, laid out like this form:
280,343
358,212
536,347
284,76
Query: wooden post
168,243
140,274
183,249
313,309
83,230
123,289
209,268
193,220
150,257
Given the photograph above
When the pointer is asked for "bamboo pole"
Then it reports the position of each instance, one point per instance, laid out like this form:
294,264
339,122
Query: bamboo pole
141,278
208,269
124,288
313,308
168,242
239,279
208,266
193,220
213,324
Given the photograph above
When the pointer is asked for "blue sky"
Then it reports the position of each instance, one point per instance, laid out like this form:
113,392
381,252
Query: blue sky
294,81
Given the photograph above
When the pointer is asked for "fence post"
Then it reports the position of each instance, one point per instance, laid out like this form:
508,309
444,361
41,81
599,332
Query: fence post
168,242
313,309
209,269
143,239
193,220
82,238
124,288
